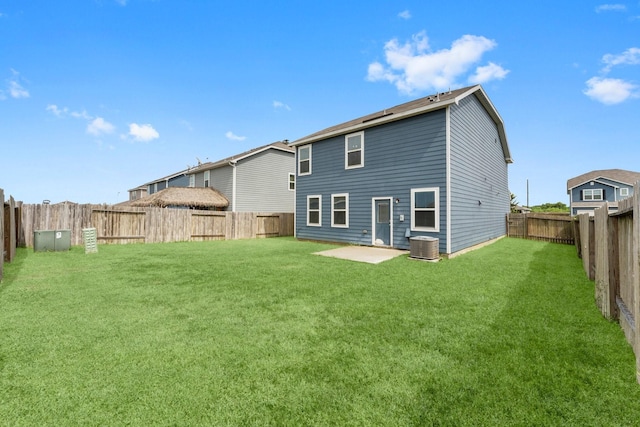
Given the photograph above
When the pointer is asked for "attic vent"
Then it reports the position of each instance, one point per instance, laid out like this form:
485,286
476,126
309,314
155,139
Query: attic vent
384,114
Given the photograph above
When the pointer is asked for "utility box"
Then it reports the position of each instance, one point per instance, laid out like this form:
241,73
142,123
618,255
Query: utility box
424,247
43,240
90,237
51,240
62,240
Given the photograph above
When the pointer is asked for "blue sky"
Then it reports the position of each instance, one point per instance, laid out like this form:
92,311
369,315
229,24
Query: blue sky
100,96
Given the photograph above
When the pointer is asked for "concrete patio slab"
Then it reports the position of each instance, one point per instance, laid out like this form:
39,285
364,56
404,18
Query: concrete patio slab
366,254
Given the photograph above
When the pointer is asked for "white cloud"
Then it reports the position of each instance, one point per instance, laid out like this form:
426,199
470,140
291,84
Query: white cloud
80,115
53,108
144,133
65,112
405,14
488,73
611,8
14,88
278,104
630,56
100,126
230,135
17,91
412,66
610,91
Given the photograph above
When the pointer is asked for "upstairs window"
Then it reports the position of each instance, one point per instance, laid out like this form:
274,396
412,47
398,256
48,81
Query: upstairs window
304,160
425,209
207,177
592,194
292,181
192,180
354,150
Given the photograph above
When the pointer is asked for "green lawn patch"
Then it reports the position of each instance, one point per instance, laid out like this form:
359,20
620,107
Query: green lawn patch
263,332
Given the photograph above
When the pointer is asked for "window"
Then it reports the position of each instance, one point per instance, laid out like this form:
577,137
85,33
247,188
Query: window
207,177
314,211
425,207
304,160
292,181
354,150
592,194
624,192
340,210
192,180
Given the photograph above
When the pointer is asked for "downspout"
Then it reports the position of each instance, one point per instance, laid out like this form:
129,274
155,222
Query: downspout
448,175
232,163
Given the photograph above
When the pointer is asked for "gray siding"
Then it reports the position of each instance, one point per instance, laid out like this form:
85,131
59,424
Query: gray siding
179,181
222,180
480,197
398,156
262,182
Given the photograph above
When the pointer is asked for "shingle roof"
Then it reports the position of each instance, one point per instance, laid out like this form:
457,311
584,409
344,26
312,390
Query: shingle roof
183,196
413,108
212,165
619,175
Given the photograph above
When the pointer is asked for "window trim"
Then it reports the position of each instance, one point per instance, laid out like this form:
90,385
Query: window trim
346,150
436,209
592,192
192,180
207,178
319,197
309,160
292,181
346,210
624,192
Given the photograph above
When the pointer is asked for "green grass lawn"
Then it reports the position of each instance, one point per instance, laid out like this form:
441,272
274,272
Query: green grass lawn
262,332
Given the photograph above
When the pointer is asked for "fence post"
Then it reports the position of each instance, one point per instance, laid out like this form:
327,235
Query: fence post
636,276
601,261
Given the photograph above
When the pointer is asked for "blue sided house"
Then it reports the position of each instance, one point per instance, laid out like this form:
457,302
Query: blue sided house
592,189
435,166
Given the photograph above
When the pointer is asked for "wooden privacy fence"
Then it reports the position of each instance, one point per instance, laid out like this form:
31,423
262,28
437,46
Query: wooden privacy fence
8,231
539,226
609,244
150,225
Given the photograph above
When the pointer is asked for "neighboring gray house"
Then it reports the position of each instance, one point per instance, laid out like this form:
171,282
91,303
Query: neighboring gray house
436,166
592,189
258,180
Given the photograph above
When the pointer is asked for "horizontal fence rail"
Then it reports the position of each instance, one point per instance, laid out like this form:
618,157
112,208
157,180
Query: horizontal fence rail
553,228
150,225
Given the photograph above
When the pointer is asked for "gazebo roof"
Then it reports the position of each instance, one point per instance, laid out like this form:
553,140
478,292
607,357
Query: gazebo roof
184,196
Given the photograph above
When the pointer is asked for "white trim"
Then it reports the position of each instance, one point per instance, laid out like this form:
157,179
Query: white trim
346,150
373,219
207,178
593,192
289,182
233,185
298,160
346,210
192,180
319,197
436,209
448,178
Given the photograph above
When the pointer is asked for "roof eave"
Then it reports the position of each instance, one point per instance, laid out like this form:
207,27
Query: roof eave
372,123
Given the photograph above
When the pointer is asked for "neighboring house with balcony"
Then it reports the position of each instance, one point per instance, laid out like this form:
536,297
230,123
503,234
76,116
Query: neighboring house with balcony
435,166
592,189
259,180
